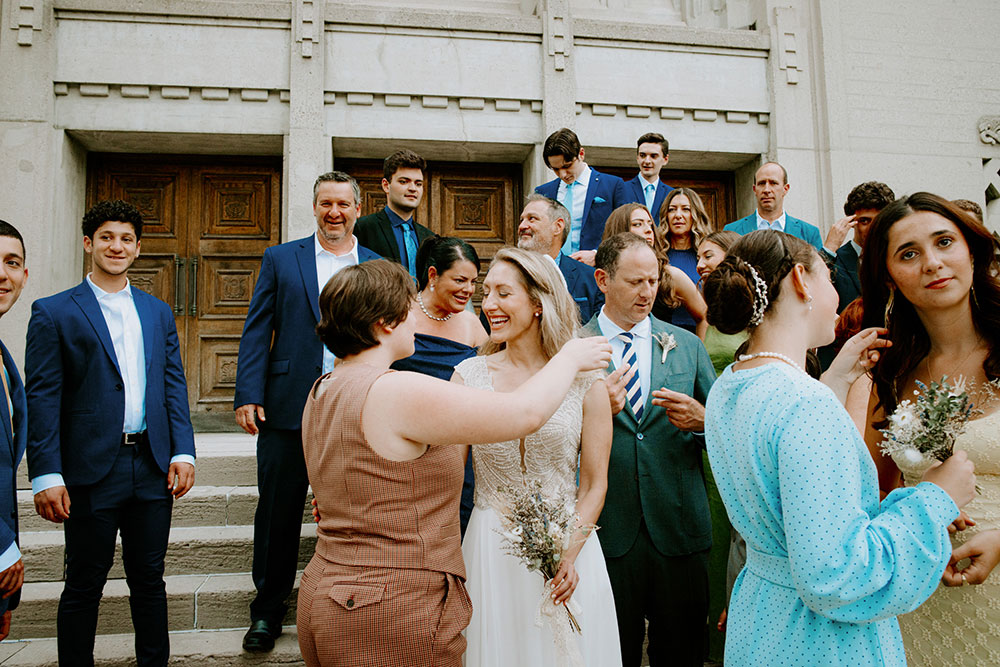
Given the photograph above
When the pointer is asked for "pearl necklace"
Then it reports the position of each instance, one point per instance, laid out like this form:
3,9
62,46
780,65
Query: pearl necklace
772,355
420,302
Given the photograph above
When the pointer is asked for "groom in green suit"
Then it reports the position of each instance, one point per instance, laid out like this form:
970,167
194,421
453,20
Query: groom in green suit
655,526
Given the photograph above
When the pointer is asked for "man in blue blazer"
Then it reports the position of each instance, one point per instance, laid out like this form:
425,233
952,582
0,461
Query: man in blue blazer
108,431
655,526
280,358
13,434
587,194
770,187
652,153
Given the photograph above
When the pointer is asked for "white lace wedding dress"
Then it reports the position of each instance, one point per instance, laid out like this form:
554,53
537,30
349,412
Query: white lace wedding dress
505,595
960,626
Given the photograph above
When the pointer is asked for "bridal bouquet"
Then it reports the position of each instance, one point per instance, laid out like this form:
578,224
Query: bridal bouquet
925,429
538,530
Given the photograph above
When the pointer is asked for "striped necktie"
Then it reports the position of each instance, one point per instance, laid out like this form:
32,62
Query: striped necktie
633,390
410,241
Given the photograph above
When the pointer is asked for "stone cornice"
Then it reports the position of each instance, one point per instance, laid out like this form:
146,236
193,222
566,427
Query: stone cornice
232,9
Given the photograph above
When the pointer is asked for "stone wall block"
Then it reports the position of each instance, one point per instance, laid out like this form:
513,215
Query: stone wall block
637,112
604,109
175,92
705,115
397,100
473,103
220,94
737,117
363,99
253,95
670,113
434,102
135,91
94,89
507,105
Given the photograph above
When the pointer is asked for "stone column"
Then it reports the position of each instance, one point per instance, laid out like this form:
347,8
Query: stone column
308,150
558,79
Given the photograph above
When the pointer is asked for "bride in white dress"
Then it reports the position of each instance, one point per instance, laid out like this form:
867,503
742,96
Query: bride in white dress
531,316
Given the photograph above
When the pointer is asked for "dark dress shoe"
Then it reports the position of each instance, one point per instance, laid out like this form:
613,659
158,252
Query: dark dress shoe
260,637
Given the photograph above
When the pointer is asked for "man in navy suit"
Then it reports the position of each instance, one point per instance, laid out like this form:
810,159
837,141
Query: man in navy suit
280,358
544,229
13,435
652,153
393,232
770,187
587,194
108,431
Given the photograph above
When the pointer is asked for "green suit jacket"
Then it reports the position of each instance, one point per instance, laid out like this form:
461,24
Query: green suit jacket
655,472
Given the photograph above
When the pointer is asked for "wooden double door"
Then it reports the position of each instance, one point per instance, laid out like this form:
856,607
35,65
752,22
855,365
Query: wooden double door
207,222
477,202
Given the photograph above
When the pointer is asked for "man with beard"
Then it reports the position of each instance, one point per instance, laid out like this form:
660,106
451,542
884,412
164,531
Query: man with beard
392,232
280,358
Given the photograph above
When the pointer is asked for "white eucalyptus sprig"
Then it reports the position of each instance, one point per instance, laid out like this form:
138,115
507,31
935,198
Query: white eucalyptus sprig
667,343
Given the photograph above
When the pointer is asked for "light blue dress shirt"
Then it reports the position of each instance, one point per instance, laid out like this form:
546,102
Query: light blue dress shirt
642,343
125,329
778,224
580,186
828,567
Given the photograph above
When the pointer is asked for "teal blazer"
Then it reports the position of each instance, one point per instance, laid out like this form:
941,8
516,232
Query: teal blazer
655,472
793,226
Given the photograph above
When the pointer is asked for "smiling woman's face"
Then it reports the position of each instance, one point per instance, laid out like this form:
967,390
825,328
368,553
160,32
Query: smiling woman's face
929,261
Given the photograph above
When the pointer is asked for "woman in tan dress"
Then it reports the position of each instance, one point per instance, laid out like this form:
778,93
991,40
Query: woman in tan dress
386,584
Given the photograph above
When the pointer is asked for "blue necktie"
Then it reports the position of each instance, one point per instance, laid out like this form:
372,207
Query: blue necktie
633,390
571,245
410,241
650,195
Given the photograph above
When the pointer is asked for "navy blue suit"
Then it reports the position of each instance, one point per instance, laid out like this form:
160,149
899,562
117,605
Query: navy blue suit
793,226
280,358
605,193
11,450
76,414
635,190
582,287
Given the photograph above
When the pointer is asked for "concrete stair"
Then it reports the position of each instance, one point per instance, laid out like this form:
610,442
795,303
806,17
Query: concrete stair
208,564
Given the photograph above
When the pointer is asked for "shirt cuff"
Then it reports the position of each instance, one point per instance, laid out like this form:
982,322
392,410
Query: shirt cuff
9,557
182,458
831,253
48,481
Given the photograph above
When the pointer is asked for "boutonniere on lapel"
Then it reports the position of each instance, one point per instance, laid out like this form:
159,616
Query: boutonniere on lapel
666,342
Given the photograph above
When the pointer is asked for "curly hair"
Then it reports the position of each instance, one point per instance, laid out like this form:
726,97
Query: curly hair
870,195
113,210
910,342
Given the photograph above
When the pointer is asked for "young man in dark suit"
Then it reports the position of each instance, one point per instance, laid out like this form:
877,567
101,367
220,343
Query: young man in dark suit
110,443
652,153
655,525
587,194
393,232
13,433
280,358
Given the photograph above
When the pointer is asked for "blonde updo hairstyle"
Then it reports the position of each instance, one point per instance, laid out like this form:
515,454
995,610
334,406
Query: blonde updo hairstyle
541,278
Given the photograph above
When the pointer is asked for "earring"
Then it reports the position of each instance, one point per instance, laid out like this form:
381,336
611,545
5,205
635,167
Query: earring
888,306
538,314
432,287
809,299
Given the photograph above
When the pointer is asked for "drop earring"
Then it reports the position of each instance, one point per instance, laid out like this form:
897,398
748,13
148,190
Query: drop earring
809,301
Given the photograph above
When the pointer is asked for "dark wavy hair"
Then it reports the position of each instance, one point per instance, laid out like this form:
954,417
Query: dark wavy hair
910,342
114,210
731,291
442,252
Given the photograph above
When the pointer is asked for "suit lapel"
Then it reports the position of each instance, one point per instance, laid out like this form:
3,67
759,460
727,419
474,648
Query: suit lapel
5,415
306,256
637,192
388,238
85,299
145,321
591,193
850,259
661,194
569,273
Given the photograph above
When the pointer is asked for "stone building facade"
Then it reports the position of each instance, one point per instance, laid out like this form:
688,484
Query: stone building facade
215,116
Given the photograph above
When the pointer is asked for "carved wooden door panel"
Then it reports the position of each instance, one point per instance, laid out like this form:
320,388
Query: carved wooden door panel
207,222
478,203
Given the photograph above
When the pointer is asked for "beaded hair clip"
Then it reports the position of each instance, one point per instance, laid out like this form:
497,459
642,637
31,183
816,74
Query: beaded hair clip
760,298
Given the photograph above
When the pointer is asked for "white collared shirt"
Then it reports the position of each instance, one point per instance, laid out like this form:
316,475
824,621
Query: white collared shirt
582,183
642,343
778,224
125,329
327,266
857,248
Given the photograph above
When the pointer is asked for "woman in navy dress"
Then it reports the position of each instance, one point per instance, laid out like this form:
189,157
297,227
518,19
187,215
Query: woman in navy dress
683,226
446,333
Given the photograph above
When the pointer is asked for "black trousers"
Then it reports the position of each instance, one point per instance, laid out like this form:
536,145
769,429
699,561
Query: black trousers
132,498
671,592
282,483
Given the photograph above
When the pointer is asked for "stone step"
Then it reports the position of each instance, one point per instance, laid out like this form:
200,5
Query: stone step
190,648
224,459
201,506
196,550
194,602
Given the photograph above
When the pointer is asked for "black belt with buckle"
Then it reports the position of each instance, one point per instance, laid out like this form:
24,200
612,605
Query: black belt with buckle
133,439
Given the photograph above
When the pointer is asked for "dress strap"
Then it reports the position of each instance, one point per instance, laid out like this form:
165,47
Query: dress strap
775,569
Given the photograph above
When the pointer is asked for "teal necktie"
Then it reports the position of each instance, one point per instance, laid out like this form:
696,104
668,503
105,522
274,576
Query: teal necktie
410,241
650,195
574,227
